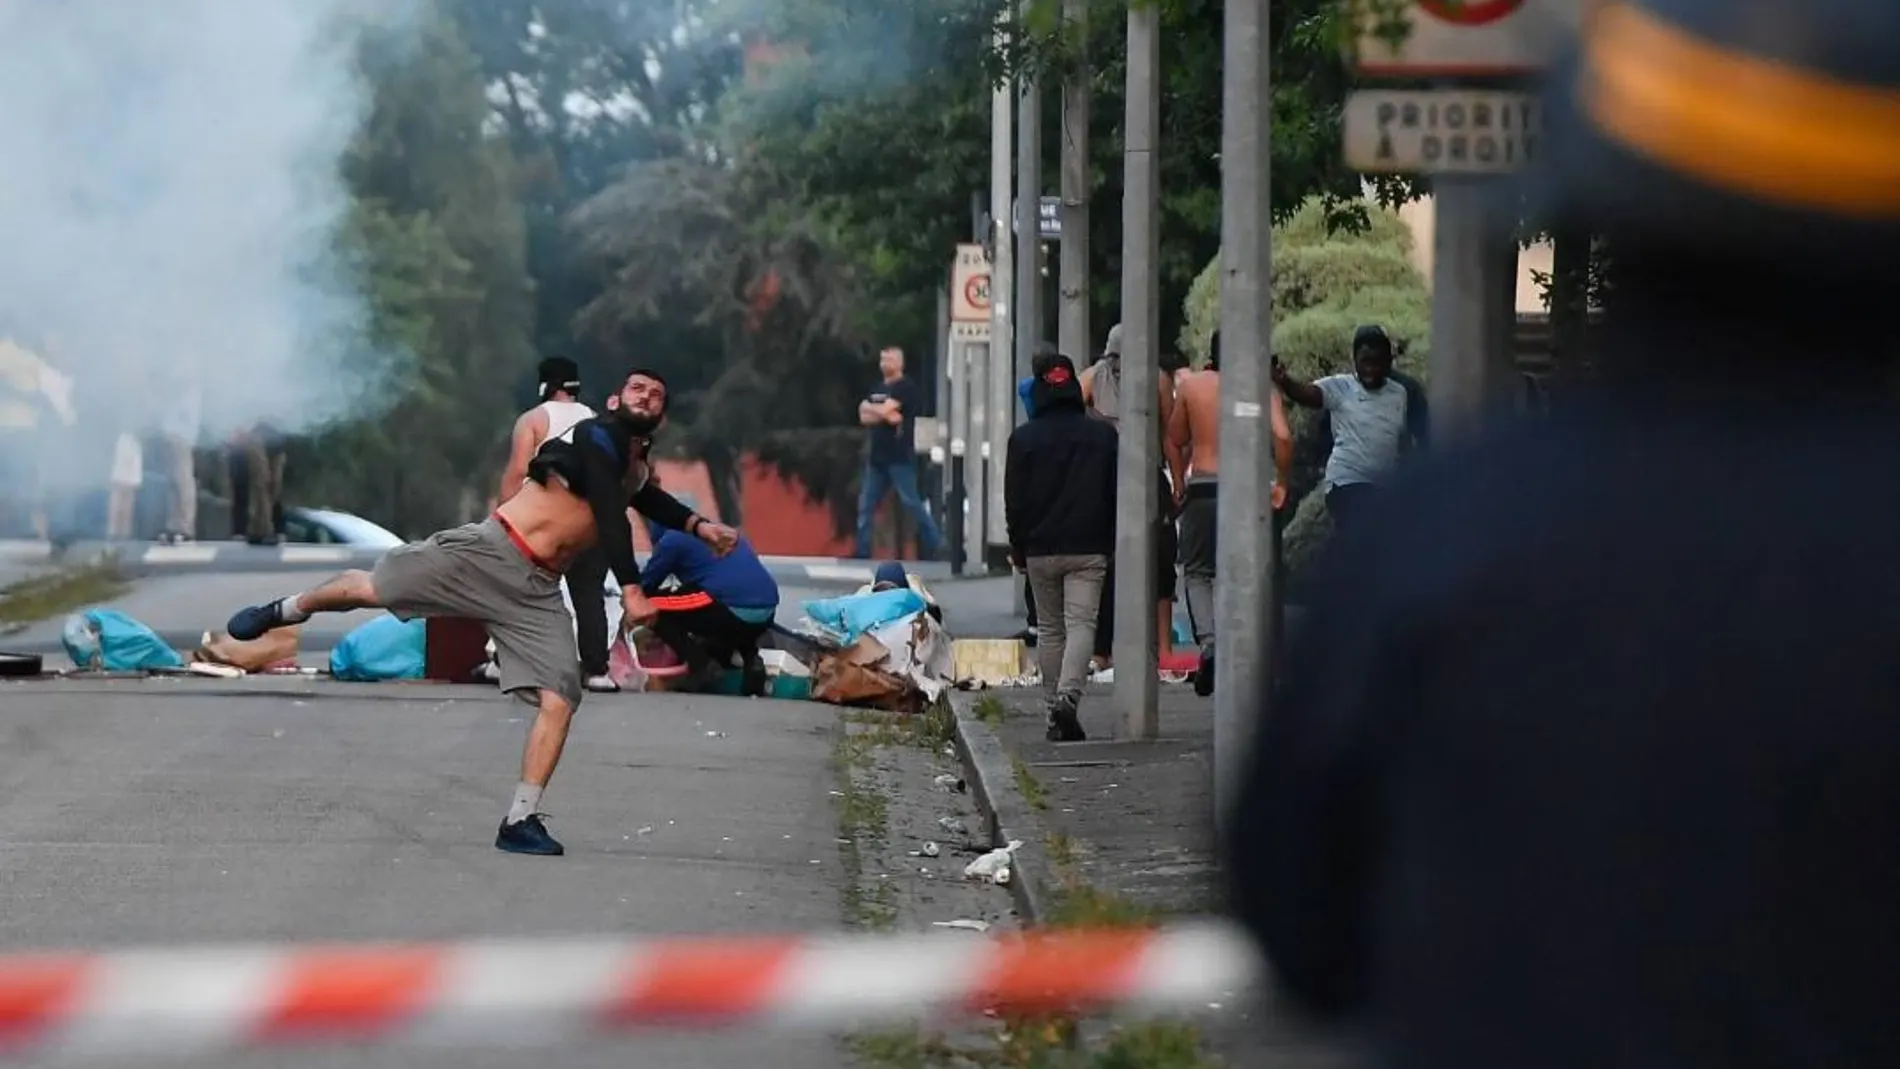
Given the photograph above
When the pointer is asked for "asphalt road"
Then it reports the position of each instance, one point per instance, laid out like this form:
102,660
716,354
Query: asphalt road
173,811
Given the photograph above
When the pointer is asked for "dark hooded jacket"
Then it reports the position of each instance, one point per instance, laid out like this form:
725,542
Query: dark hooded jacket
1059,485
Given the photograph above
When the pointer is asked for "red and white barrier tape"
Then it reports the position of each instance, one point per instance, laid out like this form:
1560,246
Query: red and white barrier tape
190,1001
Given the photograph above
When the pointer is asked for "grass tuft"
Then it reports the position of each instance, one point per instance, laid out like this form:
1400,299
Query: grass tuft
41,597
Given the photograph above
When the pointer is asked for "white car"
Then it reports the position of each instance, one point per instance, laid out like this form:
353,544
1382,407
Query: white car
326,527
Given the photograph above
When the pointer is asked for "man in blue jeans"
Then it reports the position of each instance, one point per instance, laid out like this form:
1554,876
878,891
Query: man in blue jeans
889,415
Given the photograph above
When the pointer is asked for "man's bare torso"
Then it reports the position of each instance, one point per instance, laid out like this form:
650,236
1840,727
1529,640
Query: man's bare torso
557,524
1198,395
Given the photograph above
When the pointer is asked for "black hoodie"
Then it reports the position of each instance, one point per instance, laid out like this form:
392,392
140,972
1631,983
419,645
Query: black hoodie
1059,485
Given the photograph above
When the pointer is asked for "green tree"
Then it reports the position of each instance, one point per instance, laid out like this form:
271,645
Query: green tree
1329,277
721,249
436,235
581,89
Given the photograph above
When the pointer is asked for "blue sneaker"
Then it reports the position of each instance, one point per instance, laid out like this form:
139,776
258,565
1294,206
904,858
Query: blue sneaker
249,623
528,836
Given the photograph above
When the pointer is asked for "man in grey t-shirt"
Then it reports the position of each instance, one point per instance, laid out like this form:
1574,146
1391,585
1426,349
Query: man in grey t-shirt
1367,411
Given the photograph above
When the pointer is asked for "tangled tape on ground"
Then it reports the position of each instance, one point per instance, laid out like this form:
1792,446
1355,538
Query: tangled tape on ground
195,1000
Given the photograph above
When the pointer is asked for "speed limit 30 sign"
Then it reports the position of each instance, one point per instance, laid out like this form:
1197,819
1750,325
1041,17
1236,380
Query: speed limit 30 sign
970,286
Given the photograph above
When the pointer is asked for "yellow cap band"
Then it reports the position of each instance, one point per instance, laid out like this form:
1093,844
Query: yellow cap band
1746,124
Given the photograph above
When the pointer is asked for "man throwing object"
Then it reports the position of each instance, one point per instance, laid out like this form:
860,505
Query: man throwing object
506,572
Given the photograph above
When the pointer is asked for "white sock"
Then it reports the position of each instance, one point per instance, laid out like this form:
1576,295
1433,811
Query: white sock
287,610
527,797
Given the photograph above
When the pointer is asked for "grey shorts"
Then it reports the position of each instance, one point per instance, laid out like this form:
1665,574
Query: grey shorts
476,572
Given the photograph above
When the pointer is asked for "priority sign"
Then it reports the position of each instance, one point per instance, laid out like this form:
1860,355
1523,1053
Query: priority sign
1441,131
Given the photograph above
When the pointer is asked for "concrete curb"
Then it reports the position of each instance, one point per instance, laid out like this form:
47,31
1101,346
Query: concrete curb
992,777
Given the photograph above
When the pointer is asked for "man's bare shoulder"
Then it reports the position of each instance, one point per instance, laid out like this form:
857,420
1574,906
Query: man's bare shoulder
1199,384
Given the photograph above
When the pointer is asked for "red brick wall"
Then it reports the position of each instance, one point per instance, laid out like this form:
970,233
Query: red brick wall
777,516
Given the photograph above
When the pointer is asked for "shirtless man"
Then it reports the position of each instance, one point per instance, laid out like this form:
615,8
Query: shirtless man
506,572
1194,444
555,417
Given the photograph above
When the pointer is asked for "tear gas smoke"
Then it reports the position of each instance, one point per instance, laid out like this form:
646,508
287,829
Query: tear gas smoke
170,198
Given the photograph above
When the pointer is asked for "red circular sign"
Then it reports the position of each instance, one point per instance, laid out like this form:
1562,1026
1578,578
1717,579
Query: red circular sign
1469,12
976,291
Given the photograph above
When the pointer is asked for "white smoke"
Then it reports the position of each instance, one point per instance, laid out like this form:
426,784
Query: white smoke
169,198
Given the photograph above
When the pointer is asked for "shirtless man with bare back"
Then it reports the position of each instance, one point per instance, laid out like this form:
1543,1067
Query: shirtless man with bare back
559,412
1194,437
506,572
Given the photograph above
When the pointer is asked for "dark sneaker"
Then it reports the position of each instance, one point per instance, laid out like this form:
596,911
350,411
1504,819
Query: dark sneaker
754,677
249,623
528,836
1204,673
1064,723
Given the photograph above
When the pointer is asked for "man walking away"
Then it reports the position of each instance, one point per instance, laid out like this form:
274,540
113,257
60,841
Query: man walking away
1194,433
506,572
555,418
1368,419
1025,391
721,609
889,415
1059,507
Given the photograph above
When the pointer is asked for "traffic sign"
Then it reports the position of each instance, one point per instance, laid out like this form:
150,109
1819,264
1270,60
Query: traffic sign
1462,38
1441,131
970,286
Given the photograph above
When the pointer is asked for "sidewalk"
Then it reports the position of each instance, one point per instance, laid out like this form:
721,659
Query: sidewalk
1132,820
1120,831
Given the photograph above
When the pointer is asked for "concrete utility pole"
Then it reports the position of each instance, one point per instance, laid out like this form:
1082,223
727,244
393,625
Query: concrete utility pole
1246,598
1135,668
1028,218
1072,325
999,386
1474,299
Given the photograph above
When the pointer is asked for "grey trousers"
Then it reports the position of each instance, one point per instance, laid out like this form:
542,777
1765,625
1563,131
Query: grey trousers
1198,545
1068,591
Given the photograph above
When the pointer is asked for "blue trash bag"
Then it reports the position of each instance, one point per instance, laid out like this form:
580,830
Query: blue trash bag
382,648
109,639
854,614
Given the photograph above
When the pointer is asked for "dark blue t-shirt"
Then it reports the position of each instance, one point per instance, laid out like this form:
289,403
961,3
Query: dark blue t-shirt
895,445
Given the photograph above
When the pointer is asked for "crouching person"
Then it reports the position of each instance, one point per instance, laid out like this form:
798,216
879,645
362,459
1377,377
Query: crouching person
721,608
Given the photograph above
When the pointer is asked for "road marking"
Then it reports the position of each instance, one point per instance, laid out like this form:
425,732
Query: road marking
315,554
180,555
836,572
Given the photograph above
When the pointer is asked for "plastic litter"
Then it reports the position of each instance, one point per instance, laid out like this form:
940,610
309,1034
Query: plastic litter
947,782
932,849
963,924
113,641
953,825
381,648
995,864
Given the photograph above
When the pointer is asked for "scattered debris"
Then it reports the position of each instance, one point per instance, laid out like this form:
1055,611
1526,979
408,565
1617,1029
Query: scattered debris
995,864
948,782
931,849
953,825
963,924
